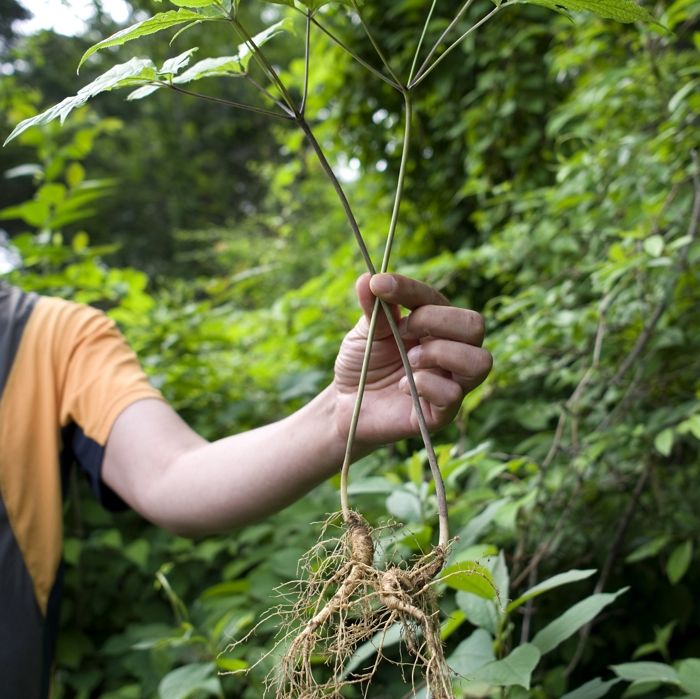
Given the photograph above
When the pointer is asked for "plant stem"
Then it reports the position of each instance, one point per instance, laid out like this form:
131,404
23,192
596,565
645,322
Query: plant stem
266,93
425,433
422,75
266,66
420,41
353,55
307,50
228,103
382,58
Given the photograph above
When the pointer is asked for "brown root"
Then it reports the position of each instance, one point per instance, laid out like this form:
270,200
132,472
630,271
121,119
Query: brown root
346,601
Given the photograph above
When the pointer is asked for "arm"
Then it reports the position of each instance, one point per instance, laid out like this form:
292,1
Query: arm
178,480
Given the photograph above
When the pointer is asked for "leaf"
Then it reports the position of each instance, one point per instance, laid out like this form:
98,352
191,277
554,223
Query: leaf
663,443
619,10
381,640
515,669
157,23
468,576
118,76
679,561
231,664
689,674
194,3
591,690
573,619
472,653
184,681
173,65
654,245
648,549
405,505
549,584
646,672
479,611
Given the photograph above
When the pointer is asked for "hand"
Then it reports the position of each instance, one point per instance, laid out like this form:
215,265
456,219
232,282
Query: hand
444,348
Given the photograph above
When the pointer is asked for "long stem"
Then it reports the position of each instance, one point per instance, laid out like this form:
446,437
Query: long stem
444,536
420,41
228,103
353,55
266,93
382,58
422,75
266,66
307,51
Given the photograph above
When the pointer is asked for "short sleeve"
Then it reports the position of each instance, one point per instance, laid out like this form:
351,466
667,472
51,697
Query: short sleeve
97,376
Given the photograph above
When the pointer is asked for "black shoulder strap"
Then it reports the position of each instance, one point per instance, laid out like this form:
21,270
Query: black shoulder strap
15,308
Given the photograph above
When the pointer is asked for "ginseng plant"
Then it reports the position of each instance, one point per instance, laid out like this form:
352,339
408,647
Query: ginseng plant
344,599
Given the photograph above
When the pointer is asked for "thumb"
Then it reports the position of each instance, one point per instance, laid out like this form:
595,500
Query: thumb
366,299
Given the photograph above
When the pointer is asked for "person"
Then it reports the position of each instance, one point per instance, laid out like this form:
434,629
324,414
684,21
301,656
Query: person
71,390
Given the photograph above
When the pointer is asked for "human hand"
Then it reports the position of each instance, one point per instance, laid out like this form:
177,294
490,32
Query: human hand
444,348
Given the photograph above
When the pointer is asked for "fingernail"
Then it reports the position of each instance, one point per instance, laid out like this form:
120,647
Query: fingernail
403,385
414,355
381,284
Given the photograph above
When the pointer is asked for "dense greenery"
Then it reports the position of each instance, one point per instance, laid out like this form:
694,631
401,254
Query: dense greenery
557,191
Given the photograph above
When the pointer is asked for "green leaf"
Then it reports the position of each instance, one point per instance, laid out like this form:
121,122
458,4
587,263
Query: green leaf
194,3
515,669
231,664
185,681
646,672
157,23
689,674
118,76
549,584
468,576
573,619
174,65
380,640
654,245
663,443
591,690
472,653
619,10
679,561
648,549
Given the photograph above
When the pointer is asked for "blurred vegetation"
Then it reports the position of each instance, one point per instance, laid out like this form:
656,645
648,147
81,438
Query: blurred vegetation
555,188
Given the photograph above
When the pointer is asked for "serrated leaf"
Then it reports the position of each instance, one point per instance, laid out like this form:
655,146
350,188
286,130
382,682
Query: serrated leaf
619,10
118,76
468,576
573,619
549,584
591,690
174,65
194,3
514,669
152,25
679,561
646,672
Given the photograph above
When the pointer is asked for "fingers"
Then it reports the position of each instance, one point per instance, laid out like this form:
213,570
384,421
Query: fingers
467,365
404,291
367,299
446,322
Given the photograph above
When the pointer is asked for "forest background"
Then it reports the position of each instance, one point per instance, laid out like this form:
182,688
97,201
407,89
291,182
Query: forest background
557,191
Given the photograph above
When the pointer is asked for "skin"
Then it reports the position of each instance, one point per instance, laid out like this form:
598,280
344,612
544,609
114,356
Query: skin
178,480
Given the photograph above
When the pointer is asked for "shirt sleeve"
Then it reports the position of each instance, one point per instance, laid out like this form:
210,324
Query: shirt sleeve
98,376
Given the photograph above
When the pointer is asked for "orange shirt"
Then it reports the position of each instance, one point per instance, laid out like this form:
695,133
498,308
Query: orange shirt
66,373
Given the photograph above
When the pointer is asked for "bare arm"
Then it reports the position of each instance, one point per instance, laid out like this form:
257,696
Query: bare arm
178,480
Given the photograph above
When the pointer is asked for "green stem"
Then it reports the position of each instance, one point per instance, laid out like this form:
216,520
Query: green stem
228,103
422,75
382,58
420,41
447,30
353,55
307,51
264,64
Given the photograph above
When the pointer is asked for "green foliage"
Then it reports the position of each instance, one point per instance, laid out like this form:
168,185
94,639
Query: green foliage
557,192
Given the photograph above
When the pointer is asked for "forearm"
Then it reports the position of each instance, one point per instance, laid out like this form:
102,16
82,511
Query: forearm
215,486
